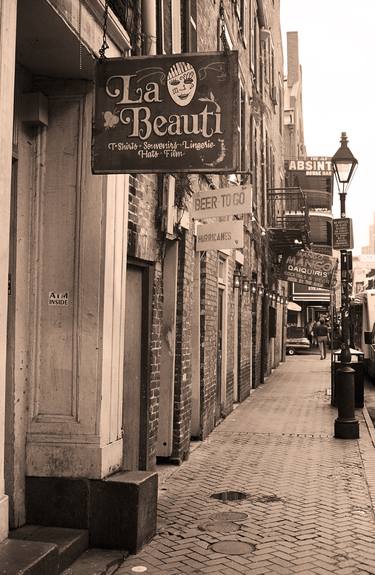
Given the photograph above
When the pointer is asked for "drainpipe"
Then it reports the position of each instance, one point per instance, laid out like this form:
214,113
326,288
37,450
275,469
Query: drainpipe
261,14
149,25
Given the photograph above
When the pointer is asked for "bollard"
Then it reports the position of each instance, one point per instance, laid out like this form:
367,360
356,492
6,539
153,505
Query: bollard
346,424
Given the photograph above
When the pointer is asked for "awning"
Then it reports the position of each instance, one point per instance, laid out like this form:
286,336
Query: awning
293,306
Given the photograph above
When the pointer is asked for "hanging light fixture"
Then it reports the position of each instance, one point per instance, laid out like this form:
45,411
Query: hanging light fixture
245,284
236,279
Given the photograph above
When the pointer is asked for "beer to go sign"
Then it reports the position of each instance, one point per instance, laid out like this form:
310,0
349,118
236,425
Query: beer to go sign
229,201
162,114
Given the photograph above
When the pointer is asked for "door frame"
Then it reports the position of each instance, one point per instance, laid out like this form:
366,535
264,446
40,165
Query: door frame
196,420
222,285
10,450
164,446
147,270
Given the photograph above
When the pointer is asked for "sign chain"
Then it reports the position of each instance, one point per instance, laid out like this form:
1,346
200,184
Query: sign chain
223,29
104,45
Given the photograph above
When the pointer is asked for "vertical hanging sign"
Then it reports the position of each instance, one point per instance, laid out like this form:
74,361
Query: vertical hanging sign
166,114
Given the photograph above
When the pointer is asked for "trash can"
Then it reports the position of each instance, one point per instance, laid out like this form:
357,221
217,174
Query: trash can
357,364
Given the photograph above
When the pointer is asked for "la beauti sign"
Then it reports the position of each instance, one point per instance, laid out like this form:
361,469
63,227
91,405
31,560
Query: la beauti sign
166,114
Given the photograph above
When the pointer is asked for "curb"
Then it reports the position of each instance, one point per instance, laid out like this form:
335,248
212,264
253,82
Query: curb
369,424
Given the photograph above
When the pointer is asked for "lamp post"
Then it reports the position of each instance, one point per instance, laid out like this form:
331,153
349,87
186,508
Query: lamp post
346,425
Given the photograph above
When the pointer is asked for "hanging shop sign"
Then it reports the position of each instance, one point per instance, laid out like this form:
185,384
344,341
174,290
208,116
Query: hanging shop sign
222,202
166,114
342,234
312,166
309,268
309,293
220,236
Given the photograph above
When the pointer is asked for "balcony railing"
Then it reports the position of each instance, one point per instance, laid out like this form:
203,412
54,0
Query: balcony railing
288,219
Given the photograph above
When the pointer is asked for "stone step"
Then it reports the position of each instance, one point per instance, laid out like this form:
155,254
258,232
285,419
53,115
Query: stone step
97,562
70,543
21,557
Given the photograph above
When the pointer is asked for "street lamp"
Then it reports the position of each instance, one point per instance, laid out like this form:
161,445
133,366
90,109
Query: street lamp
346,425
343,165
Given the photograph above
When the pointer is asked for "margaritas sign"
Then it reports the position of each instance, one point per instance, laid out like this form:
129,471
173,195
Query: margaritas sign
309,268
166,114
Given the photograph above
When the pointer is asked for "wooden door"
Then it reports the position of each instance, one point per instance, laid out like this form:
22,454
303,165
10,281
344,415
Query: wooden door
167,352
219,360
236,345
136,368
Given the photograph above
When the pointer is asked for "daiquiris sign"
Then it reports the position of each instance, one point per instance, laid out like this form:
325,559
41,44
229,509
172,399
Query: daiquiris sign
166,114
309,268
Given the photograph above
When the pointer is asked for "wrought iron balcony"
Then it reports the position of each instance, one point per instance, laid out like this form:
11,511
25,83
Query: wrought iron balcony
287,219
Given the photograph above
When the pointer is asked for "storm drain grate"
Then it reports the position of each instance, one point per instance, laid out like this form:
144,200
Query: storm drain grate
232,547
228,516
219,526
230,495
268,499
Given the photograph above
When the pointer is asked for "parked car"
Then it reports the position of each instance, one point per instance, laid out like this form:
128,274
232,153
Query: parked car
294,344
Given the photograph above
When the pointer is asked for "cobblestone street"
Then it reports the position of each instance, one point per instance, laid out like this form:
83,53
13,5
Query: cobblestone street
294,499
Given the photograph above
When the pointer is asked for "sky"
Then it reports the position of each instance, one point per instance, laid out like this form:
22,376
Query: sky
337,55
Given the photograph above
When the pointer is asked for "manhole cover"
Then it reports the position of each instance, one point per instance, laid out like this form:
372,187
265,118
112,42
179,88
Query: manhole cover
229,495
219,526
268,499
229,516
232,547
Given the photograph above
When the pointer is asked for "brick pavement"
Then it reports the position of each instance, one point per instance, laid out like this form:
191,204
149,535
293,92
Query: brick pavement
308,503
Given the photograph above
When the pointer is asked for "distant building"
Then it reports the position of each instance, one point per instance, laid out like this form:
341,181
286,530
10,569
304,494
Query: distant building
370,248
363,266
312,175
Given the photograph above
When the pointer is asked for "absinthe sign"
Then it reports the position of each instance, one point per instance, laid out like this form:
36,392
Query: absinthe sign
163,114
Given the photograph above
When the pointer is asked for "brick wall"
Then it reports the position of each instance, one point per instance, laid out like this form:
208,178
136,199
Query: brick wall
182,400
143,212
154,393
208,340
144,245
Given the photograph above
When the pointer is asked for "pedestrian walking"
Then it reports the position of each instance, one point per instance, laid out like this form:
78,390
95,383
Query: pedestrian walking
309,331
321,333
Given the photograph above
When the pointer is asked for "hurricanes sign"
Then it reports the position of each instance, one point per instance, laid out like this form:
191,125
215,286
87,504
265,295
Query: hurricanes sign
166,114
309,268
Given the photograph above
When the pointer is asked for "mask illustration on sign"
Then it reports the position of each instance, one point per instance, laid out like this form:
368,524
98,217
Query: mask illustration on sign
182,83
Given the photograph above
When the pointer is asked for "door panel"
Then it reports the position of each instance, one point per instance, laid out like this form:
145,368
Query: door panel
133,369
167,352
219,363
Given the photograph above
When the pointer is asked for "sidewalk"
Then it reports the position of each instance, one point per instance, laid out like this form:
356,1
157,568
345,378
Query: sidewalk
307,497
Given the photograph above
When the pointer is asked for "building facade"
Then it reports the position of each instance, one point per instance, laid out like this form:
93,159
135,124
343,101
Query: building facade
313,176
120,340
